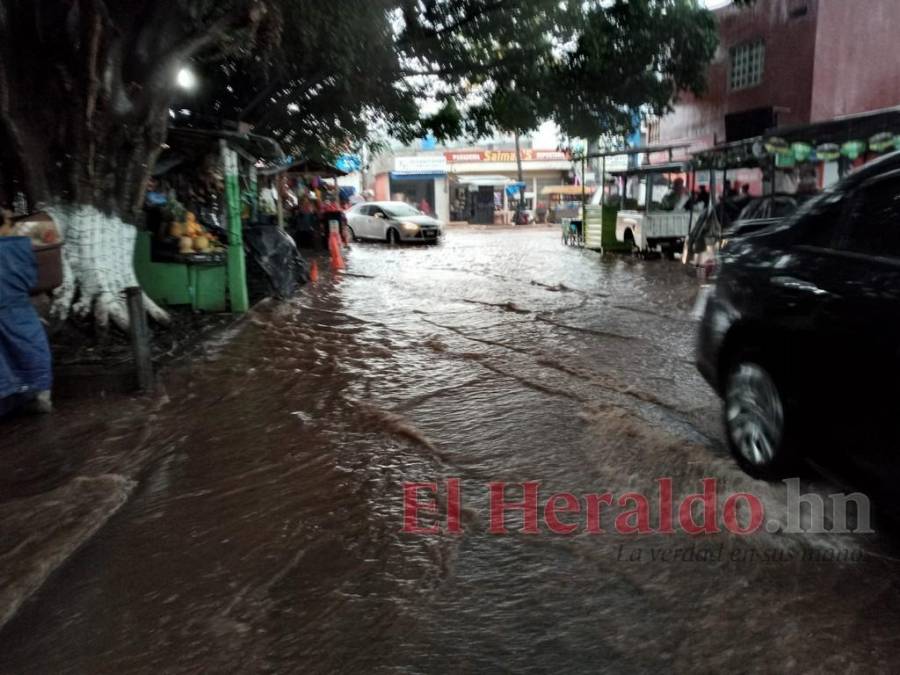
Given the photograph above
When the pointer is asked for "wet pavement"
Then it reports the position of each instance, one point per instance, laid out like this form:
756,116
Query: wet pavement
265,536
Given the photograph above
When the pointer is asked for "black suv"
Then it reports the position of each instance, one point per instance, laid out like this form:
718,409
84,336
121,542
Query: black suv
801,332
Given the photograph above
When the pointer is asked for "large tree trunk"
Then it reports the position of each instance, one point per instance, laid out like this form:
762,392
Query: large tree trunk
85,91
97,267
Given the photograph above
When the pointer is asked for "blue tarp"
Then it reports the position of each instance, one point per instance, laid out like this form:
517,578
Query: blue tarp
25,365
514,189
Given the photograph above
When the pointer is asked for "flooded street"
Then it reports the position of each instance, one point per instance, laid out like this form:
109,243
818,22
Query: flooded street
267,535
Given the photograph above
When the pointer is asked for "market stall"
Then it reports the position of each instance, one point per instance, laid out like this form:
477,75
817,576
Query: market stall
202,195
826,151
307,197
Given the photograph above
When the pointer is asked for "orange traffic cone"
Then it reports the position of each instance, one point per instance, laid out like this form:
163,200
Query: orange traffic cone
314,271
334,247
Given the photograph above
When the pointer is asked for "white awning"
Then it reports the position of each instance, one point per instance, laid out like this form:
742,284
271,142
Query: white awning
491,181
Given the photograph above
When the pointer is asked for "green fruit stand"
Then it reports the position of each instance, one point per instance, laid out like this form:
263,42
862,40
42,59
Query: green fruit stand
214,164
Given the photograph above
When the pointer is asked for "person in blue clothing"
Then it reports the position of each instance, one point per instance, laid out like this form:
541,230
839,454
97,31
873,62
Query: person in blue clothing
26,373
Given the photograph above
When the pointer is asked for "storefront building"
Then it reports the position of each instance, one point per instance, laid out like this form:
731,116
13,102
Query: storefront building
474,185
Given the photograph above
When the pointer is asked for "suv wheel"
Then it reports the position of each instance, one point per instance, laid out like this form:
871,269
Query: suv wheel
755,420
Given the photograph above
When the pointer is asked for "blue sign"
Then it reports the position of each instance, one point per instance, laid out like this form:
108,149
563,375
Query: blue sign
348,163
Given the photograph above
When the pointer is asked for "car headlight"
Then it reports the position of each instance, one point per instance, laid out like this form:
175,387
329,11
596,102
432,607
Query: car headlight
410,227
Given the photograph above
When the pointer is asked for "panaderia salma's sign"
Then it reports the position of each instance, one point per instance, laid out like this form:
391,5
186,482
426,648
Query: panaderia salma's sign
498,156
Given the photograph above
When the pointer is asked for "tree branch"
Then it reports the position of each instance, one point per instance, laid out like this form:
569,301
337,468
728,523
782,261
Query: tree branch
465,20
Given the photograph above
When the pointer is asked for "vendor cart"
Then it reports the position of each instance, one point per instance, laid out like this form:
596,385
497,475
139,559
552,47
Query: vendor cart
565,207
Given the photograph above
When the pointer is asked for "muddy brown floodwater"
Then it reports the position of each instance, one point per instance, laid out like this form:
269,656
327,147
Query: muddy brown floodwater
267,537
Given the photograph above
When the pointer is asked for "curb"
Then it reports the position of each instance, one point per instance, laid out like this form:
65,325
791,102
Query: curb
50,532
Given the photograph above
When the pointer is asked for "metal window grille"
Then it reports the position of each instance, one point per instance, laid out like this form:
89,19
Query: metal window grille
747,65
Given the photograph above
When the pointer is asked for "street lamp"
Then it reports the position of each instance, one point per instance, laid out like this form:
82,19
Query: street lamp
186,79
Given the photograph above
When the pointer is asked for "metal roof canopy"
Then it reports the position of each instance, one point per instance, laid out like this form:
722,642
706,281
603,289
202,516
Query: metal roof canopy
486,181
188,144
568,190
669,167
736,155
308,168
252,146
641,150
861,126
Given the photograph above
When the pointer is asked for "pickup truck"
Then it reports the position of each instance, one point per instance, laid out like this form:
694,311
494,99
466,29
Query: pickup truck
665,230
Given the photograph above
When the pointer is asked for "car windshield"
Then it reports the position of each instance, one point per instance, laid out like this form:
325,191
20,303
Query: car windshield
401,210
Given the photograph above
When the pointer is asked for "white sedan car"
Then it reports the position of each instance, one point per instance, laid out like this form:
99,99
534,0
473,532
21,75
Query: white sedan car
393,222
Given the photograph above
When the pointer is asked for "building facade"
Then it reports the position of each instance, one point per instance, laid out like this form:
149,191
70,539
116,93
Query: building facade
782,63
477,184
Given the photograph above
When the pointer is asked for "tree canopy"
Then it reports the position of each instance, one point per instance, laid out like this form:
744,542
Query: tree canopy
487,64
86,86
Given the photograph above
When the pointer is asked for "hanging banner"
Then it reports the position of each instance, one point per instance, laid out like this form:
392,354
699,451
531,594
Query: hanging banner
882,142
783,161
853,149
828,152
802,151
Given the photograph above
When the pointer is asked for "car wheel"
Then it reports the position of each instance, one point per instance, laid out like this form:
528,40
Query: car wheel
393,237
756,420
353,236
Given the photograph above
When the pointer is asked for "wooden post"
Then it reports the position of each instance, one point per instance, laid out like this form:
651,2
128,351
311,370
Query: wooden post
691,217
583,192
505,206
140,337
603,181
254,195
520,177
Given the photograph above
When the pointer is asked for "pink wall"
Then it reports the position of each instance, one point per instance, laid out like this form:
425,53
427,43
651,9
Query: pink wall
857,57
787,80
383,187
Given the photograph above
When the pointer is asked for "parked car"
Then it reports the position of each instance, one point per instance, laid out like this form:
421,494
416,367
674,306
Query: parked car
393,222
800,334
760,212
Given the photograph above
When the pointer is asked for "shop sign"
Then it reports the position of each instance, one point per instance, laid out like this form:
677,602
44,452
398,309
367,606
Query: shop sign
420,164
500,156
616,163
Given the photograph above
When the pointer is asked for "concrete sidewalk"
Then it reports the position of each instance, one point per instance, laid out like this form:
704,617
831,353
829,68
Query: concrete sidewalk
64,475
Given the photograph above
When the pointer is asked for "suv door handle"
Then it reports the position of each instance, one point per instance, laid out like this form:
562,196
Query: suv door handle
794,284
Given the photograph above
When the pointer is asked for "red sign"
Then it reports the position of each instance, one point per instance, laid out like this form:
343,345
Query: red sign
465,156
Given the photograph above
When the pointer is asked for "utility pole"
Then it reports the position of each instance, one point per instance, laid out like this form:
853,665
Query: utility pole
521,179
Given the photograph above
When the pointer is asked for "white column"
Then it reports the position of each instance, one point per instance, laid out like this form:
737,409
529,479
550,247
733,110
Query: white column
442,199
